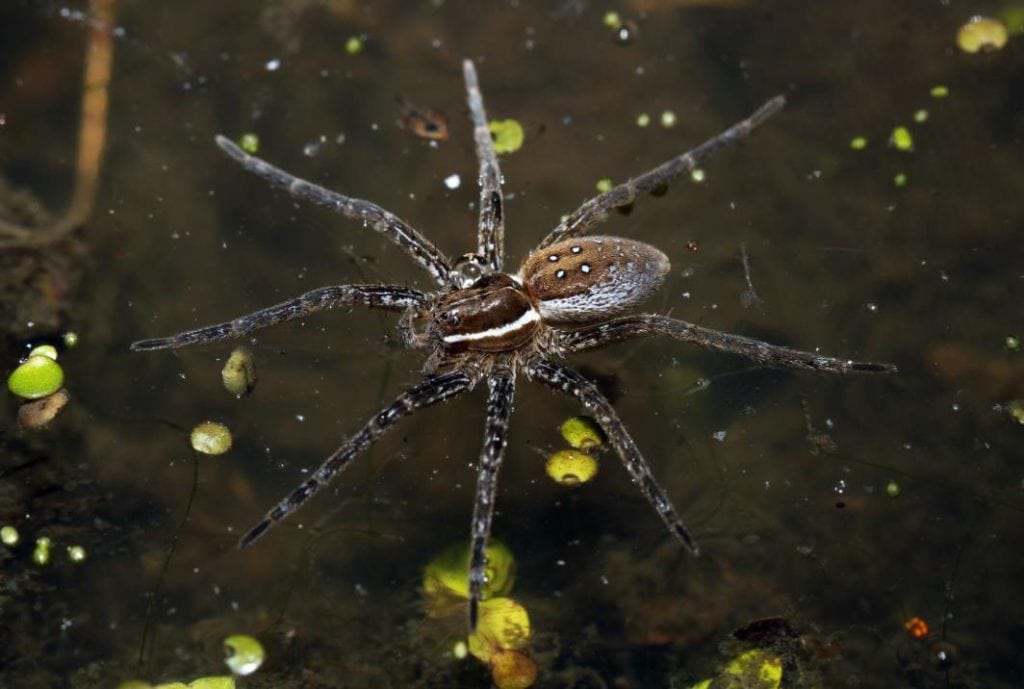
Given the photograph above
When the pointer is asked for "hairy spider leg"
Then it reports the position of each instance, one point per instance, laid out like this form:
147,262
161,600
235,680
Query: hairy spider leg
492,215
502,388
596,210
431,391
380,220
651,325
568,382
389,297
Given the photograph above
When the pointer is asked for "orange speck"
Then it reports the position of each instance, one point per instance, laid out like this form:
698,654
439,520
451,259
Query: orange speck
917,627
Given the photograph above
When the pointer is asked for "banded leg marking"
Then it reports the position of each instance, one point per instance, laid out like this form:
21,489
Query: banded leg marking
502,387
596,210
389,297
431,391
568,382
383,221
651,325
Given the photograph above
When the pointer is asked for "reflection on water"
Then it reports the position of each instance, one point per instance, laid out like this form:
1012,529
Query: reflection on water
785,478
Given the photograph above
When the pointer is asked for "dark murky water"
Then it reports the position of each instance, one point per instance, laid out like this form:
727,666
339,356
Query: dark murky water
927,276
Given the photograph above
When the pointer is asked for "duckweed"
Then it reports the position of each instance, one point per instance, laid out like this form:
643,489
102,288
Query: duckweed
981,34
697,175
511,669
581,432
1012,343
239,372
354,45
508,135
900,179
448,573
893,489
859,143
1015,409
643,119
754,669
668,119
243,654
921,116
612,20
901,139
9,535
503,625
604,184
571,467
37,376
224,682
70,339
211,438
939,91
250,143
46,350
766,667
41,553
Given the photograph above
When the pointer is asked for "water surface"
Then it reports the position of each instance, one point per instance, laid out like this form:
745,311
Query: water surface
782,476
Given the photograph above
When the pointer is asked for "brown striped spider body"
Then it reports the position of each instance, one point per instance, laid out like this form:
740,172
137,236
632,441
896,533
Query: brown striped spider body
482,324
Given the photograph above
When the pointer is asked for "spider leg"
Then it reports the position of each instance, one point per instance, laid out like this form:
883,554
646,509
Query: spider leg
492,215
390,297
385,222
567,381
430,391
502,386
596,210
649,325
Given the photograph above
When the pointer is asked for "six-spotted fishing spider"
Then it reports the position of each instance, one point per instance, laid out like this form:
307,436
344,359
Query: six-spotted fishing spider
483,324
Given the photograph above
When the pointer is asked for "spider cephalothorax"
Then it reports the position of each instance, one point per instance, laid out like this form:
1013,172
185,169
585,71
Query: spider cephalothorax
483,324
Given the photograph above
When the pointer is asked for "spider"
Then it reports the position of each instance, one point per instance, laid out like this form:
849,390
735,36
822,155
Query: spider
483,324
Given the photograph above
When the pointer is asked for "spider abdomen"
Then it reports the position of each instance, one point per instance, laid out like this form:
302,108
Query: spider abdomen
591,278
493,315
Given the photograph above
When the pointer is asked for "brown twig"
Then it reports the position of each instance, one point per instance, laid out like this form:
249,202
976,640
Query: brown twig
92,132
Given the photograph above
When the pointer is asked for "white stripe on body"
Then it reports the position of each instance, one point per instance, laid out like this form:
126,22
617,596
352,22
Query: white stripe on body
527,318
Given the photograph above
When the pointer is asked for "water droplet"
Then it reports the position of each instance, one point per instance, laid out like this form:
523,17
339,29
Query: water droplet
626,33
314,147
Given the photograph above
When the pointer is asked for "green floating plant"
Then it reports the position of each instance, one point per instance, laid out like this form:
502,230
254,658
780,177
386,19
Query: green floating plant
571,467
508,135
38,376
581,432
243,654
211,438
